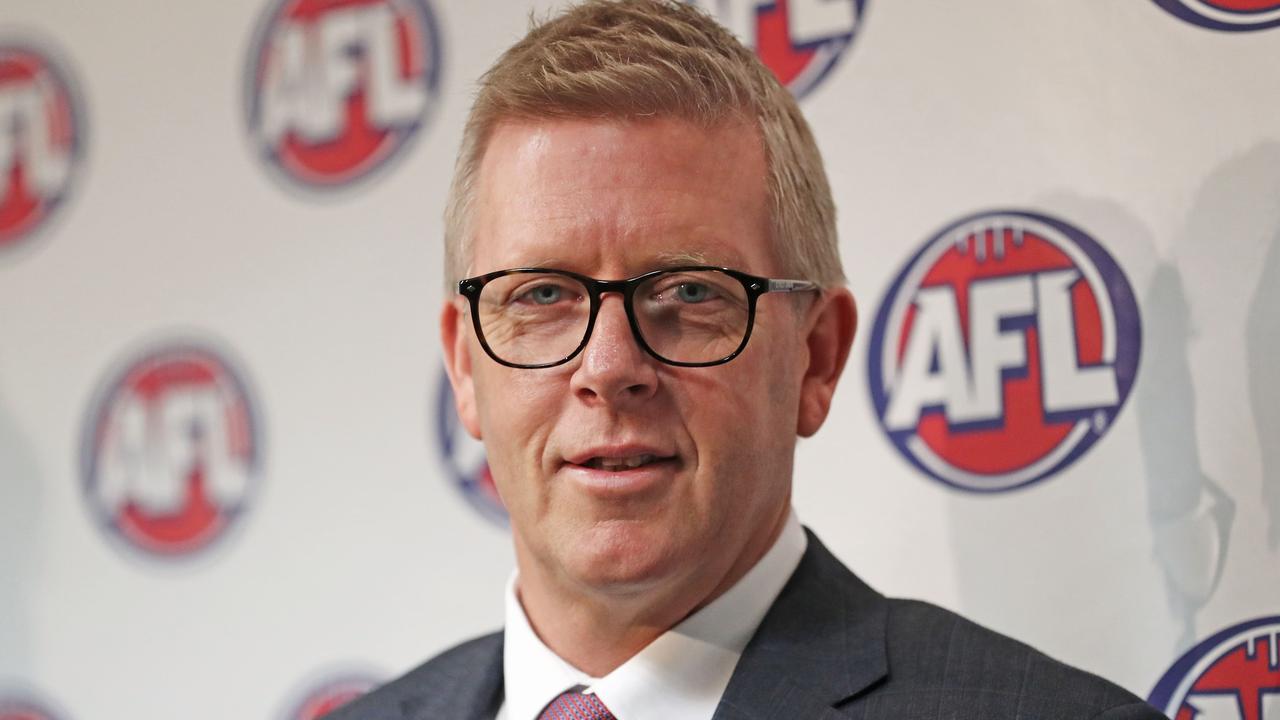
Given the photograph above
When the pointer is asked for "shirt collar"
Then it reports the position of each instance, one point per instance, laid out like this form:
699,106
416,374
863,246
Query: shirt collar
681,674
532,674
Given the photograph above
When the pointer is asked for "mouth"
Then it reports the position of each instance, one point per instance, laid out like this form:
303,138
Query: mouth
621,464
615,473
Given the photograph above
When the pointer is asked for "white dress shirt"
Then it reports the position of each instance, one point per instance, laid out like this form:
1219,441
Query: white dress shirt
679,676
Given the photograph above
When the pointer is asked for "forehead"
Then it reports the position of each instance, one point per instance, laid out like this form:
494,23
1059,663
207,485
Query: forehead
621,196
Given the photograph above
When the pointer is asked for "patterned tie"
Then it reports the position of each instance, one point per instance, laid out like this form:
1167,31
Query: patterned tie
573,705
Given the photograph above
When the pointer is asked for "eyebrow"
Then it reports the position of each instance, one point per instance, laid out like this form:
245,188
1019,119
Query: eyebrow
660,261
674,259
718,256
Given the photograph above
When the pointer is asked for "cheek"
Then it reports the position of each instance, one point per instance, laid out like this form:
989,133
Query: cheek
779,361
746,425
734,420
517,409
784,392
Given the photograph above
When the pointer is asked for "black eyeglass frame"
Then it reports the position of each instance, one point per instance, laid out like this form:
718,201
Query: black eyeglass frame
754,285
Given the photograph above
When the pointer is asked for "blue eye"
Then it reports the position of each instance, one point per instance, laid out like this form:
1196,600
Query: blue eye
693,292
544,294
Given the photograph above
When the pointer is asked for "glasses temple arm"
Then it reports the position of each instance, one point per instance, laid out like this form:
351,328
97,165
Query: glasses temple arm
788,286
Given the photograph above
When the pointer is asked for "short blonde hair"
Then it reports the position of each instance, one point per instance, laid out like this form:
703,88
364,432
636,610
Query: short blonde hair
632,59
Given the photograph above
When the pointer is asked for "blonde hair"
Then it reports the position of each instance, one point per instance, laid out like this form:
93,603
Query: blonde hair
631,59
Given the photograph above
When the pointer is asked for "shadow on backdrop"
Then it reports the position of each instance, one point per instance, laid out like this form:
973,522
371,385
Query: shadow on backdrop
1190,514
1262,341
19,534
1233,231
1234,217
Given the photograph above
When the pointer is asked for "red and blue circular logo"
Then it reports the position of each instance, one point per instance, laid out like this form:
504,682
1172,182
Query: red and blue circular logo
463,458
42,138
21,707
1003,351
1229,15
328,695
335,89
801,41
172,451
1234,675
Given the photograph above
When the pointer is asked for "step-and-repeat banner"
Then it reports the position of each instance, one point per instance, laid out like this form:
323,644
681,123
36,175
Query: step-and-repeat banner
231,481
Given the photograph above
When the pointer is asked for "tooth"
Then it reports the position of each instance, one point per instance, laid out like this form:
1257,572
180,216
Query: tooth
635,461
639,460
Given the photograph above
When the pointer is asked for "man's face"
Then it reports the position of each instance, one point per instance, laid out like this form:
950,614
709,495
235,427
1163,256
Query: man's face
614,199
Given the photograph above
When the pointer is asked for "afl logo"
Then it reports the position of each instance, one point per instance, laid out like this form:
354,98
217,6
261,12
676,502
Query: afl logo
329,696
337,88
1003,350
799,40
22,708
42,134
463,458
1230,15
1234,675
171,451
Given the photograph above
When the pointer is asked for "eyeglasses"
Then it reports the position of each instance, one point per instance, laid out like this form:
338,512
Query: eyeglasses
693,316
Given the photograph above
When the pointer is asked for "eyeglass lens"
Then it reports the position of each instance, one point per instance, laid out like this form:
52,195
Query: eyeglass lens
683,316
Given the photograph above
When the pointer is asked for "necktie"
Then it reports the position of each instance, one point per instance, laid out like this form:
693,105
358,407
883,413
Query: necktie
573,705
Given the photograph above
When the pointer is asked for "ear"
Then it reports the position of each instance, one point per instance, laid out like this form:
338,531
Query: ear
829,338
455,337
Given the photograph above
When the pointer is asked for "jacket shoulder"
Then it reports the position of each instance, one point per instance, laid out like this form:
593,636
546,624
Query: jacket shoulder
467,673
940,659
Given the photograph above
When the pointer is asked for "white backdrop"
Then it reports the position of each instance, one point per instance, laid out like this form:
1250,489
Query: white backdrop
224,479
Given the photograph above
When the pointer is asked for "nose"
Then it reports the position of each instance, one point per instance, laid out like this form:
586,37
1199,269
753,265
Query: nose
614,369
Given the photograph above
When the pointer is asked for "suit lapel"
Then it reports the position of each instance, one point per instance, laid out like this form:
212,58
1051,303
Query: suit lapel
470,691
821,643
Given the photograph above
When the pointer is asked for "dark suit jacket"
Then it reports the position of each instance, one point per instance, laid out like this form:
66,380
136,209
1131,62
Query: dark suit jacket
830,648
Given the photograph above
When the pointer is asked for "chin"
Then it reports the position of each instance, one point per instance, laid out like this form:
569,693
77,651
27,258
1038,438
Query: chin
622,556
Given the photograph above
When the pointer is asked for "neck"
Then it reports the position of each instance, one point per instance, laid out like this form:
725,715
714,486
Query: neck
598,629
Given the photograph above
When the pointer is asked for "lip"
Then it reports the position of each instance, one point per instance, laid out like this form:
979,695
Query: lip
617,451
627,482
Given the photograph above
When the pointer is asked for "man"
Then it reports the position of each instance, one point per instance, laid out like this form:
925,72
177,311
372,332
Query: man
640,405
